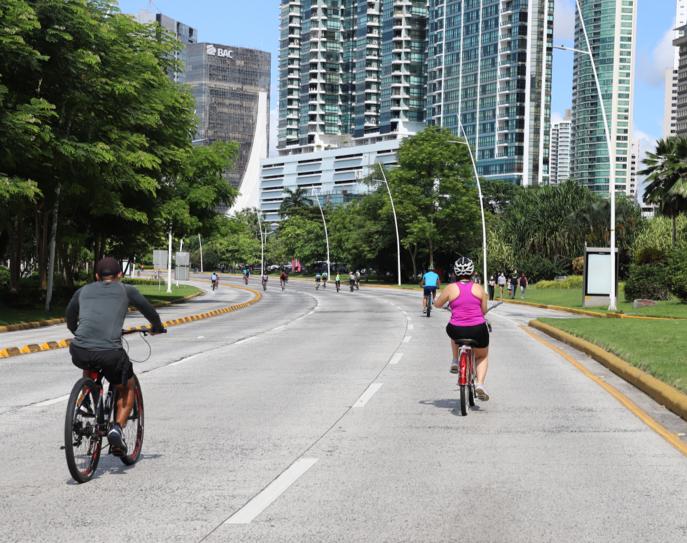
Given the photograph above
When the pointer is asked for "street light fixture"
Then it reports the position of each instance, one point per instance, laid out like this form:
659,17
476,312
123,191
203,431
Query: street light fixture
393,209
326,233
612,306
481,199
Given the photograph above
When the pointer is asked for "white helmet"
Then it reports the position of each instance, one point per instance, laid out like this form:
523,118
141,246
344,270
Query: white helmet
463,266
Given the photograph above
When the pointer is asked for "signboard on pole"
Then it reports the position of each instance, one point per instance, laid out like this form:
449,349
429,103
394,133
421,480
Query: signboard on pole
159,260
183,261
597,276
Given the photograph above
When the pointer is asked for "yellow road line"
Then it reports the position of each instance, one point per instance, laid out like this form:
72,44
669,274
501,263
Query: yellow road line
656,426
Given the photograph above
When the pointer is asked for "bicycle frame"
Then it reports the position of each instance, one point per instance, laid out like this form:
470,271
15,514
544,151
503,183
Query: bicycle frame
466,369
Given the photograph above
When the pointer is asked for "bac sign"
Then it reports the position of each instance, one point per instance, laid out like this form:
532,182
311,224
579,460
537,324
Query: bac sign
218,51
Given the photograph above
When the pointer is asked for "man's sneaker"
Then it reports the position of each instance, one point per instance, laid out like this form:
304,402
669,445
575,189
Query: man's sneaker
116,439
454,366
481,393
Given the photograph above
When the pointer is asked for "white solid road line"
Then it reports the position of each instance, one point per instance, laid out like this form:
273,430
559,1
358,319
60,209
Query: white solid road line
184,359
50,402
396,359
407,339
374,387
276,488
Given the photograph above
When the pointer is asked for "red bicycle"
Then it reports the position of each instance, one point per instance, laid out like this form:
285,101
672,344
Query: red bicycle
466,374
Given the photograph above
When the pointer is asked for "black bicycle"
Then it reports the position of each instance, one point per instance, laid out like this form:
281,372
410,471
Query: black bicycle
429,300
91,415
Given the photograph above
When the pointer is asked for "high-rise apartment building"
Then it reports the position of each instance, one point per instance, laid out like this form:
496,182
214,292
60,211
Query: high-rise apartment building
634,170
231,86
681,92
490,67
363,67
610,26
671,76
559,156
350,67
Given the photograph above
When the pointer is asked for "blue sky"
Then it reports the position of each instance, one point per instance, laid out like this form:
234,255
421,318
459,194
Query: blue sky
255,23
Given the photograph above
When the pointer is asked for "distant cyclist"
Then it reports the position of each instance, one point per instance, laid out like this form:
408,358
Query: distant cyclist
337,281
468,303
430,282
351,280
95,315
214,280
325,276
357,279
283,279
264,281
246,274
318,279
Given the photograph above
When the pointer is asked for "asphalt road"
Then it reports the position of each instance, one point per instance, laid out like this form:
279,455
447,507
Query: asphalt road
317,416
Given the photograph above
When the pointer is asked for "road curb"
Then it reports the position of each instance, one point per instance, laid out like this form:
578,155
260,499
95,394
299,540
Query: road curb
8,352
666,395
60,320
597,314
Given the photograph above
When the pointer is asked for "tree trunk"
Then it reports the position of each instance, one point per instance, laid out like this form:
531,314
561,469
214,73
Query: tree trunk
674,230
413,256
53,240
431,253
15,255
42,242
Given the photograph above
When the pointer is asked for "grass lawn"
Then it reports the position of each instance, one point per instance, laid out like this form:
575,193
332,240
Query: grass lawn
573,298
657,347
11,315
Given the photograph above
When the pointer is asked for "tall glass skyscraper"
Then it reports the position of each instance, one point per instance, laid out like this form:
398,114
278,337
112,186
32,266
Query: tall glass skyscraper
350,67
490,67
611,29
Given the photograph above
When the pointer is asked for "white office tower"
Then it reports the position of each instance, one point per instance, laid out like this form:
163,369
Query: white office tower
671,76
611,30
559,156
634,170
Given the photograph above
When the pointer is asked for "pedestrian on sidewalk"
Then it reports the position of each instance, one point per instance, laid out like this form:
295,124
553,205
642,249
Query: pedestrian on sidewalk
513,287
523,284
492,286
502,284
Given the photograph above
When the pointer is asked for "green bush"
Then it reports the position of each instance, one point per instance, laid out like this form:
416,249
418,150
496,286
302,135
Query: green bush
647,281
677,272
654,242
572,281
538,267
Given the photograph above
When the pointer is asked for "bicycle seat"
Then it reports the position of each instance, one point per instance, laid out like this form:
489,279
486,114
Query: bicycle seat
465,342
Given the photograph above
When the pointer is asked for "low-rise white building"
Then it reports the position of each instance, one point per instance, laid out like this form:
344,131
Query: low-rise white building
335,174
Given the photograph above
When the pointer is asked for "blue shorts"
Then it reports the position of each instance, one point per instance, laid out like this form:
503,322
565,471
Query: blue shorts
430,290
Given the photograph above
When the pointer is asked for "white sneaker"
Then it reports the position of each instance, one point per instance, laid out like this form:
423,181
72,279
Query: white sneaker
481,393
454,366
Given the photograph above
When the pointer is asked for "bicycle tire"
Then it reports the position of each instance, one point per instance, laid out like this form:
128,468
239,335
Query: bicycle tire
137,420
471,381
428,301
82,466
464,400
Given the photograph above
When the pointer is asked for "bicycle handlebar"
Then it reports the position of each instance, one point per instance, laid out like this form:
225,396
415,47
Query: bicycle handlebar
144,331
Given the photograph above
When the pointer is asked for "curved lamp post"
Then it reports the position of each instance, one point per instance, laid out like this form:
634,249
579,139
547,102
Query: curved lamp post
612,306
262,244
326,233
393,209
481,199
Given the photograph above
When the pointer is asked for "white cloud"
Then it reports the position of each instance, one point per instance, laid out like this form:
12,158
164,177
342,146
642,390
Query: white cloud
651,69
556,117
274,131
564,21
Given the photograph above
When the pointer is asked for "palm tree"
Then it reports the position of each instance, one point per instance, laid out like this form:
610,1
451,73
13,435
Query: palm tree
294,201
666,171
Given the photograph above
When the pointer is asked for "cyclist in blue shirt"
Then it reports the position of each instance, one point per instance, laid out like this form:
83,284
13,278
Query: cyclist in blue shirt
430,282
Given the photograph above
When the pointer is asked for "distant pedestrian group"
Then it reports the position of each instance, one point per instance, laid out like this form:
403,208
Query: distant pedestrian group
512,282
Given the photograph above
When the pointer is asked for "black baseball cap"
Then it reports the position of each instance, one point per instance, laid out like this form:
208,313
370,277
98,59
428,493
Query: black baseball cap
108,267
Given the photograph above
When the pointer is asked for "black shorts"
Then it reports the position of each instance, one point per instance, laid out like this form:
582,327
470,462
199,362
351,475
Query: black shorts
114,363
479,334
430,290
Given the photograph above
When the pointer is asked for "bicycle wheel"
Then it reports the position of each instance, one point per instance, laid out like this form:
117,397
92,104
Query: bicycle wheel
133,431
464,399
82,438
471,381
428,301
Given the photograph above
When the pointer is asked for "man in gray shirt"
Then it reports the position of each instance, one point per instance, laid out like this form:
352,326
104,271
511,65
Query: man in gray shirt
95,315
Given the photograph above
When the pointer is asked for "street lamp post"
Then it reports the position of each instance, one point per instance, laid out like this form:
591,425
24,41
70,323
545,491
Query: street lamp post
200,243
612,306
262,246
481,199
169,262
326,233
393,209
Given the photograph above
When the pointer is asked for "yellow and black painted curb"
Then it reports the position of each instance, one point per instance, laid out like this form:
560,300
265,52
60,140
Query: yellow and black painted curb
59,320
588,313
664,394
8,352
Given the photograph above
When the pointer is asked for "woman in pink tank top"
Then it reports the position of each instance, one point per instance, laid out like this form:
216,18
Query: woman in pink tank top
468,303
